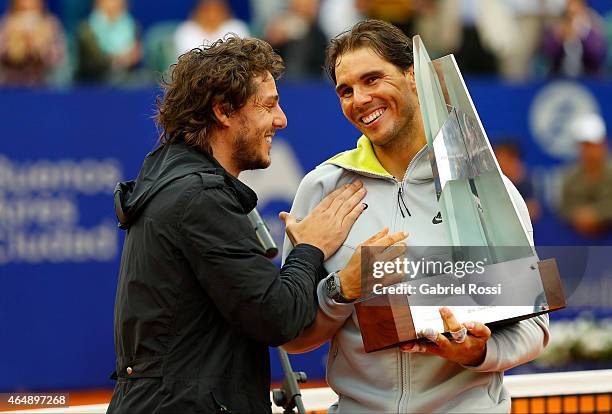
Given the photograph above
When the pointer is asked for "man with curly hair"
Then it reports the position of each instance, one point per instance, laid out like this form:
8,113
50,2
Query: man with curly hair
197,301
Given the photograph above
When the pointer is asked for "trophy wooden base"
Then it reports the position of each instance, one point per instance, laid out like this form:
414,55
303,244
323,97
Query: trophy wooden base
387,320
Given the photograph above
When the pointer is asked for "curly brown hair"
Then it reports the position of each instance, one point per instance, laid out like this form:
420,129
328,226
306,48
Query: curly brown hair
223,73
389,42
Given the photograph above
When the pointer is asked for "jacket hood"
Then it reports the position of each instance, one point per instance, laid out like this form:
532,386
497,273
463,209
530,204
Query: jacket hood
164,165
363,160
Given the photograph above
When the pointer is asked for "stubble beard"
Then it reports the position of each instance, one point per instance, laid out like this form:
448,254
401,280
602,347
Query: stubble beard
400,136
247,147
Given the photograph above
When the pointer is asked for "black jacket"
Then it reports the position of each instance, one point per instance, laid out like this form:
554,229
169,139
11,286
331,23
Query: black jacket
197,302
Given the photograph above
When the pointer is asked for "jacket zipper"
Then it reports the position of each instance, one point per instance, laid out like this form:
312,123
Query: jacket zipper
401,202
405,389
404,359
400,193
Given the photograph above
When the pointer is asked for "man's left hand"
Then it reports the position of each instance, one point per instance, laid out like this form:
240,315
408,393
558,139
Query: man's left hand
471,351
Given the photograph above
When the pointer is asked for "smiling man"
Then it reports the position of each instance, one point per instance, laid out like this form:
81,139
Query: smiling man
372,68
197,302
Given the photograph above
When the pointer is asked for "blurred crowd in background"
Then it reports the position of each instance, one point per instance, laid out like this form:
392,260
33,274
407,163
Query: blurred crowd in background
102,41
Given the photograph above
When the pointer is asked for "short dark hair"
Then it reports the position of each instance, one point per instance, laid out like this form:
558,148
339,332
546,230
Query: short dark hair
223,73
389,42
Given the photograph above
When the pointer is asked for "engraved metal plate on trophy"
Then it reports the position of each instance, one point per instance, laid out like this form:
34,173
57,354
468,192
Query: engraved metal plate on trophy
480,219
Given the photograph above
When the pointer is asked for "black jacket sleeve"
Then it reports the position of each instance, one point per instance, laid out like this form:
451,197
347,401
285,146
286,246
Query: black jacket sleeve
267,304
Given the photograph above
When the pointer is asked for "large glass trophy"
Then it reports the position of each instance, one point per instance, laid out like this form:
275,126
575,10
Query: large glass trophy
482,225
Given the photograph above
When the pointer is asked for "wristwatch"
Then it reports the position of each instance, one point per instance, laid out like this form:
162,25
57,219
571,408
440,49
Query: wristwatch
333,290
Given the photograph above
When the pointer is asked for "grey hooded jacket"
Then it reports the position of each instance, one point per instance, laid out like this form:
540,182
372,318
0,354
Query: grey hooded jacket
392,381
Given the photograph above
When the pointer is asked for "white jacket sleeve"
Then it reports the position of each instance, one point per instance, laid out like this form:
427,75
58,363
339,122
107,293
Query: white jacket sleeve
515,344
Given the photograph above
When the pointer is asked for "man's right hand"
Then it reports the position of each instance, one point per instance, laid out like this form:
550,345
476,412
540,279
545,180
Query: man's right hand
328,225
351,278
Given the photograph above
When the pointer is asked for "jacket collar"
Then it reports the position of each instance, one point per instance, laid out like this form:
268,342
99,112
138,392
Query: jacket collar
363,160
165,165
246,196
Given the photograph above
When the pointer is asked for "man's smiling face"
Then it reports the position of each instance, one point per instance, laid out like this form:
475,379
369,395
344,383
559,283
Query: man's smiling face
376,96
256,124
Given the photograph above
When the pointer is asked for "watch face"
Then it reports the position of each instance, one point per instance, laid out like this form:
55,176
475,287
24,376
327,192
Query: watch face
330,286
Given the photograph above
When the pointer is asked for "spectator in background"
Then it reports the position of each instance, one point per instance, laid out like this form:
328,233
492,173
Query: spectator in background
586,198
509,156
108,45
72,13
528,18
297,36
478,32
264,11
32,44
476,54
337,16
400,13
576,45
439,25
210,20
